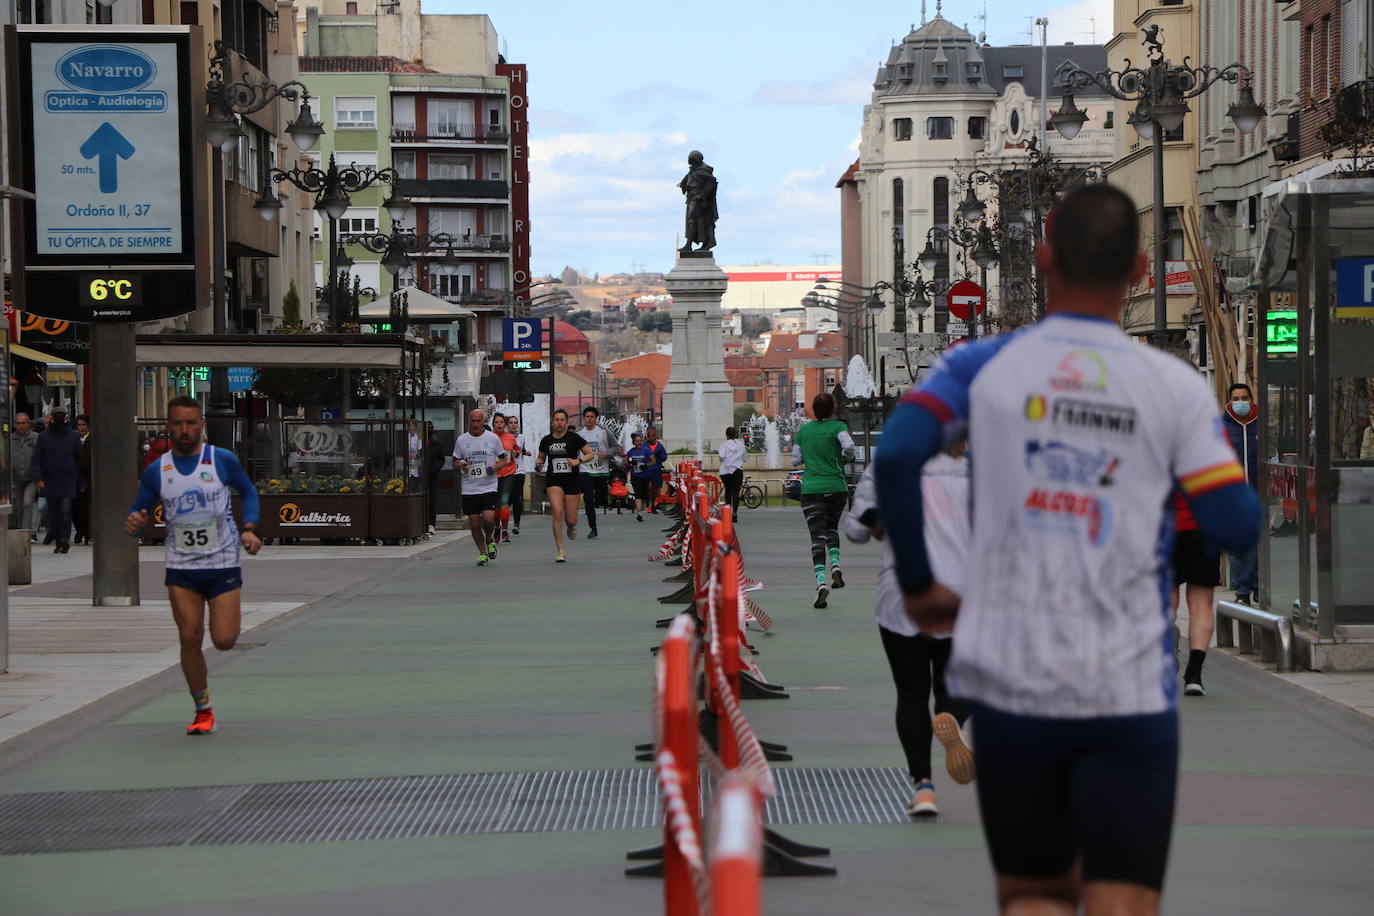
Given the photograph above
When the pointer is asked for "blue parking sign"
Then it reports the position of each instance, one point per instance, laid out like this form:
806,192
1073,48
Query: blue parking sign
522,336
1355,288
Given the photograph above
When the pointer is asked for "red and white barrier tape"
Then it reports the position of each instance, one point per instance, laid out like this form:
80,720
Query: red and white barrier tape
684,831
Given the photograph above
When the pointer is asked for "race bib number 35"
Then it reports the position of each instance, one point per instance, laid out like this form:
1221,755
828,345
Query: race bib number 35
197,537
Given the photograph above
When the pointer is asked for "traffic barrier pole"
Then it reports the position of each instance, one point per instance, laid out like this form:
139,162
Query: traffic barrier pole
726,625
736,849
679,738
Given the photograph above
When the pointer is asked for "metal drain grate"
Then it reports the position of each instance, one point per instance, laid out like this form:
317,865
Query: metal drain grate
408,807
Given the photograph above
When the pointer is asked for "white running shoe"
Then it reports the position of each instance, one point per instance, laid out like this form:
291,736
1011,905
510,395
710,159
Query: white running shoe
958,755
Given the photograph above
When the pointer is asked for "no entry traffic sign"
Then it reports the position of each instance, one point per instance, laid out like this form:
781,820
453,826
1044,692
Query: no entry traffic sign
963,294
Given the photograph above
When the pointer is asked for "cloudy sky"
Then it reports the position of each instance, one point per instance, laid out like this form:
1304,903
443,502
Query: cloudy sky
771,93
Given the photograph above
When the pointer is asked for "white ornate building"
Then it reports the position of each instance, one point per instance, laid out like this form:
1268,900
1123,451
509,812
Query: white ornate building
945,103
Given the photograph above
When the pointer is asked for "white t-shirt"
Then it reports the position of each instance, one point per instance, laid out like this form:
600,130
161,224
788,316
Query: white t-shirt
480,453
600,442
944,505
524,464
1078,434
731,454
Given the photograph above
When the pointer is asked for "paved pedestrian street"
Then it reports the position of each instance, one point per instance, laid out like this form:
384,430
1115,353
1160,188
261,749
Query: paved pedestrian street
436,737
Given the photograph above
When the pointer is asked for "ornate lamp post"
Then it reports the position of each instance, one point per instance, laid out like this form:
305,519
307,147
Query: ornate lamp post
1162,91
976,244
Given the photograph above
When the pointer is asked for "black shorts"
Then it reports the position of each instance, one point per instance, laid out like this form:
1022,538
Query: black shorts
571,483
478,503
641,486
208,583
1052,791
1194,562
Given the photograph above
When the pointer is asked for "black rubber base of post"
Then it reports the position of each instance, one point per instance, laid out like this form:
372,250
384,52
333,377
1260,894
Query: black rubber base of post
792,847
675,561
752,689
651,870
683,576
707,723
686,593
647,853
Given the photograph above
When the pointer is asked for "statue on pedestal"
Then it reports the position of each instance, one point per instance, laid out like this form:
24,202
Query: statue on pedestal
699,187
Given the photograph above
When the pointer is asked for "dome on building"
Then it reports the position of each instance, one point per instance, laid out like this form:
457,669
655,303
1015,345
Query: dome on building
939,57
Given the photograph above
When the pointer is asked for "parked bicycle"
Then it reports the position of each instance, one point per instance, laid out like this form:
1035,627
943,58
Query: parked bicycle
751,494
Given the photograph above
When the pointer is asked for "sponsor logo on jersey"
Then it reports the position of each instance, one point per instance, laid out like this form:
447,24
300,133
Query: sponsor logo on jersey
206,476
1059,462
1036,407
190,501
1081,370
1065,511
1093,416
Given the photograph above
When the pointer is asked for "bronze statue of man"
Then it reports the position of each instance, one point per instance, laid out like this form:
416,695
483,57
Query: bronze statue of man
699,187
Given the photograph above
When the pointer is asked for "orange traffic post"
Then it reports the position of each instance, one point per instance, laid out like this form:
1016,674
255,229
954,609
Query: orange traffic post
736,849
679,737
726,625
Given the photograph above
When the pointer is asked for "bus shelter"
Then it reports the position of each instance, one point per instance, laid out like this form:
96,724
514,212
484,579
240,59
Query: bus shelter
1315,369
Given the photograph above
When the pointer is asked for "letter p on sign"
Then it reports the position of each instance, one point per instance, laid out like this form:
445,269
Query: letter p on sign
523,335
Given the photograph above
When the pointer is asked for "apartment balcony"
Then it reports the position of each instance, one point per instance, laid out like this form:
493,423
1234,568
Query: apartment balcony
470,241
481,299
452,189
448,132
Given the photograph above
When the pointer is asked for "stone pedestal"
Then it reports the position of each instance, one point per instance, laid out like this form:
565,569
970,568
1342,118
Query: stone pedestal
20,553
697,285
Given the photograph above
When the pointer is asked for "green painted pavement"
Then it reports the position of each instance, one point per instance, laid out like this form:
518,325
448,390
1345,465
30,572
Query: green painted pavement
525,665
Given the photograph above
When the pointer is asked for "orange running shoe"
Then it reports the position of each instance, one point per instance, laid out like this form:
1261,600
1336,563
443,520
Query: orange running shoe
204,723
923,803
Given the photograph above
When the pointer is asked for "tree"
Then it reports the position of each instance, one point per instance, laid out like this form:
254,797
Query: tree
744,413
569,277
291,307
754,325
581,320
655,322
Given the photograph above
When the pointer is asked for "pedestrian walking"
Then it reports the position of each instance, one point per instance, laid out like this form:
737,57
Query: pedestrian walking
193,484
822,446
1197,568
918,661
478,457
23,489
1061,638
732,454
81,505
595,475
1239,420
561,453
436,468
53,468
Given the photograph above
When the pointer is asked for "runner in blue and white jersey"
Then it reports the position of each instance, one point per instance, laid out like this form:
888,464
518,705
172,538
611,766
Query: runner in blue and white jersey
192,483
1062,640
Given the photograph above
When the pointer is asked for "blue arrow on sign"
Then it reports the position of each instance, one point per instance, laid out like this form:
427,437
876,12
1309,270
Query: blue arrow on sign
105,144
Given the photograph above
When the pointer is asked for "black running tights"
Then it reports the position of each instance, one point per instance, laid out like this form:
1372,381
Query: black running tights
918,667
822,512
733,481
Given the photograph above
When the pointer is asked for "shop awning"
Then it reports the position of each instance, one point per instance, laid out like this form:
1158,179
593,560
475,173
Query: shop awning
421,308
345,351
39,357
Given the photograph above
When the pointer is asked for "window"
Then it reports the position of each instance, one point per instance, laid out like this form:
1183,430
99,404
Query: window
1175,134
1352,69
1324,79
1173,223
190,13
901,128
1013,71
459,223
1110,121
940,128
1014,122
350,8
898,206
404,164
1311,62
358,221
244,24
355,112
496,275
494,167
494,119
35,12
451,282
403,115
977,128
361,158
450,167
252,157
450,118
496,222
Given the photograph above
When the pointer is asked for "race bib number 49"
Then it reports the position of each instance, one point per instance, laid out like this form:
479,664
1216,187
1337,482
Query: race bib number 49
477,470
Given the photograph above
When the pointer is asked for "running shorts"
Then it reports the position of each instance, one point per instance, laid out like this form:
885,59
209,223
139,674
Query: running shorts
1053,790
641,487
208,583
571,483
479,503
1194,562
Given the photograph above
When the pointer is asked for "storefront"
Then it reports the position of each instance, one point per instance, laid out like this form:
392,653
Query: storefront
1315,334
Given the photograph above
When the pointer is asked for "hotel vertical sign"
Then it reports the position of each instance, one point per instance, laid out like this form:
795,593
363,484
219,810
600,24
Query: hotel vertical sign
519,174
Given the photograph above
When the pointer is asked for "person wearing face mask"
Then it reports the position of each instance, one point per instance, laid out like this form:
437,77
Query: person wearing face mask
1238,419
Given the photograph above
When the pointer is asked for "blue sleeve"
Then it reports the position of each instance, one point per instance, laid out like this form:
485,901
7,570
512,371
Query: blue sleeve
232,473
148,490
1228,516
911,437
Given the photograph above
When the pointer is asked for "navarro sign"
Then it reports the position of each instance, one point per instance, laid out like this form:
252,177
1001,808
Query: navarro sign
105,77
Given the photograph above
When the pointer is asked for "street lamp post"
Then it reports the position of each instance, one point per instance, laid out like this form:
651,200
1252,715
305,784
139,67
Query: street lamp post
1162,91
224,103
976,244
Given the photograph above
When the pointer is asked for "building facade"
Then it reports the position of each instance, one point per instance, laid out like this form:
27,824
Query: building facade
945,103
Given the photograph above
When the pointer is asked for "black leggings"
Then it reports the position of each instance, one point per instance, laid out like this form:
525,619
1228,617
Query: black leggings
733,481
517,500
822,512
594,493
918,665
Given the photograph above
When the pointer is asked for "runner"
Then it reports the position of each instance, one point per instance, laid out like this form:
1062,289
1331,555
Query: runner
1062,638
1197,567
524,464
918,661
478,456
192,482
596,475
823,445
660,456
560,453
641,473
505,477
